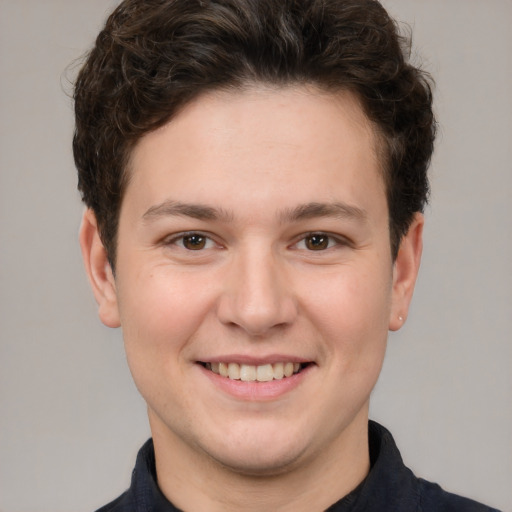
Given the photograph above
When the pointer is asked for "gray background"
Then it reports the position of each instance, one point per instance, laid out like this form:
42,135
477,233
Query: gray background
71,420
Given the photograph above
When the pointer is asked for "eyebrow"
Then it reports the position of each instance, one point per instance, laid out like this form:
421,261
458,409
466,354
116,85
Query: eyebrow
305,211
313,210
196,211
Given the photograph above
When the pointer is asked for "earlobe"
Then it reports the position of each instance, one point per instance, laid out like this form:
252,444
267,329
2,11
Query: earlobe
405,272
98,270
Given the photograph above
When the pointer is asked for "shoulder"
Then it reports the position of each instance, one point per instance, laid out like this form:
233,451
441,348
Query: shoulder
121,504
143,494
140,495
394,485
433,498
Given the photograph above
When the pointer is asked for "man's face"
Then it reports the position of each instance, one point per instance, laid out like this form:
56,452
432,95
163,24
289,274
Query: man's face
253,239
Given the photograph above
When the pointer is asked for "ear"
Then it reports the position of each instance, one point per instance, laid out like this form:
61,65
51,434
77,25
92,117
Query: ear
98,270
405,271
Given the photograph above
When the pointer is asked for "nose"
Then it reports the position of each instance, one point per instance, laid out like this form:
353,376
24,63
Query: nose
257,296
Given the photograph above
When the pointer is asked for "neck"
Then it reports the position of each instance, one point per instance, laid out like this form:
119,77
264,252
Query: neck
192,480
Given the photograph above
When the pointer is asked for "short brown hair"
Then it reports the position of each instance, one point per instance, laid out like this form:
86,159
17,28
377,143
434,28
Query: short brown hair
154,56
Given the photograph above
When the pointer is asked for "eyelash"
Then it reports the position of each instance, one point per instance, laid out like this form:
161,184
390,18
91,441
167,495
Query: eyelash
332,241
205,241
179,240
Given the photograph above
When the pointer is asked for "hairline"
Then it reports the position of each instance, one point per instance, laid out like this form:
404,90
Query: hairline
380,143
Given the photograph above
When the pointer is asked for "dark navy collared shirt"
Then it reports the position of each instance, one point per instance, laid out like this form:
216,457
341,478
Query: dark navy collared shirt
389,487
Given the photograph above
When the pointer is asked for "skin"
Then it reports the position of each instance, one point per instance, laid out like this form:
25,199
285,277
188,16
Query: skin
258,163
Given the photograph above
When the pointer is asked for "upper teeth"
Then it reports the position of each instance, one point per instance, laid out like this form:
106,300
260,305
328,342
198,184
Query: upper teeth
248,372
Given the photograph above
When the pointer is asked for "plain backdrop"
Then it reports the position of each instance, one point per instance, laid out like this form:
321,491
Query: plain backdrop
71,420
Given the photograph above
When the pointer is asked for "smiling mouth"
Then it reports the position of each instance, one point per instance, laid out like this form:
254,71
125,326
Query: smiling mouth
255,373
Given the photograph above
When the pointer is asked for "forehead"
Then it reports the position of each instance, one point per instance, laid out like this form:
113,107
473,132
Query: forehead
242,144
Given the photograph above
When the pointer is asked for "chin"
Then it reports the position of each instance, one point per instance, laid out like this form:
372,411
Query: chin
256,454
254,463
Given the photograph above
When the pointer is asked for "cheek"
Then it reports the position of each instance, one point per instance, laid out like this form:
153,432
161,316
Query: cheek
351,307
161,311
160,317
352,289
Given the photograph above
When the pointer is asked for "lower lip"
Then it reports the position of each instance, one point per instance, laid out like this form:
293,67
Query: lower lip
257,391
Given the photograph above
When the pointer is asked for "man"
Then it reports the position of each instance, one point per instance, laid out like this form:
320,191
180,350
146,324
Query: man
255,173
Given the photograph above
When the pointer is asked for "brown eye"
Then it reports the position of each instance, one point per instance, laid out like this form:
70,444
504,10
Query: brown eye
194,242
317,242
